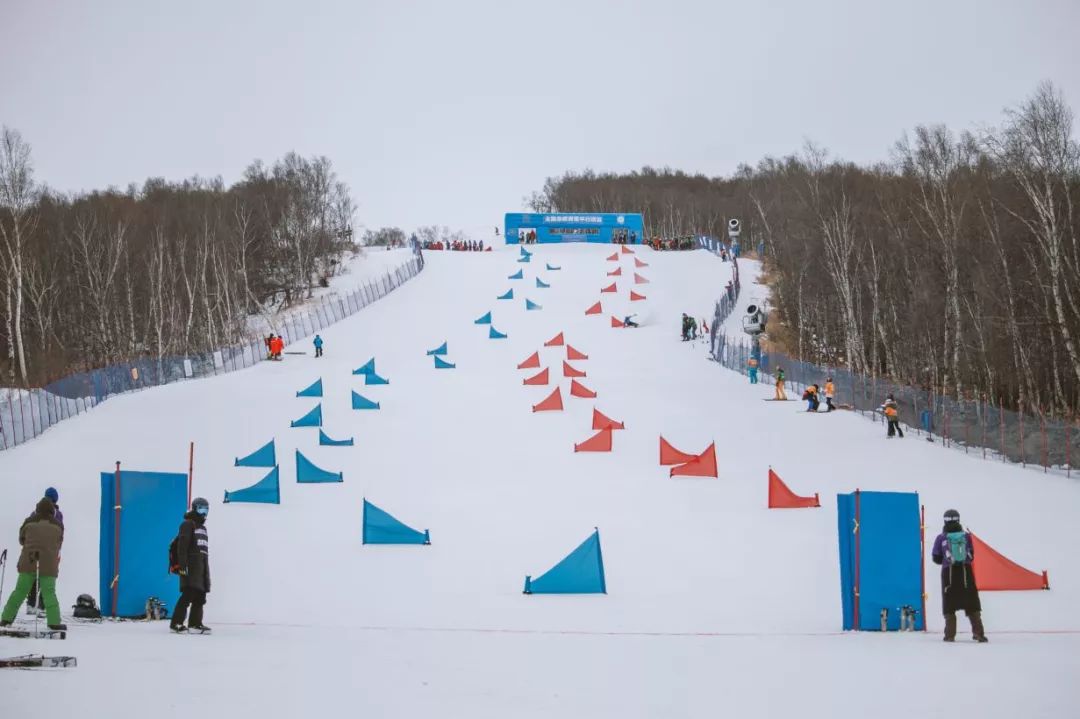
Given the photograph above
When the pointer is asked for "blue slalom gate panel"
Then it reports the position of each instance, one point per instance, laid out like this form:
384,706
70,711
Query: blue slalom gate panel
313,390
308,473
484,319
140,515
880,540
311,419
541,284
530,305
525,253
359,401
266,491
580,572
441,349
440,363
264,456
494,334
381,528
508,296
526,258
366,368
552,268
325,441
519,275
372,378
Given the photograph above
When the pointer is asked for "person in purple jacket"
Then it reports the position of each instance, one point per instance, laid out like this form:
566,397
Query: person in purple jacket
35,603
954,552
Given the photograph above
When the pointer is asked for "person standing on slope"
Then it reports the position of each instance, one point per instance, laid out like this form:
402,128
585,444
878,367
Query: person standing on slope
318,345
954,552
193,566
41,537
752,368
35,601
780,393
276,346
811,397
830,391
892,416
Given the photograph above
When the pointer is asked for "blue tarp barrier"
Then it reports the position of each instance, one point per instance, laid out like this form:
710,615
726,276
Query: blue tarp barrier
508,296
581,572
359,401
519,275
325,441
541,284
372,378
264,456
440,363
311,419
367,368
314,390
494,334
883,530
483,320
151,508
381,528
530,305
266,491
440,350
308,473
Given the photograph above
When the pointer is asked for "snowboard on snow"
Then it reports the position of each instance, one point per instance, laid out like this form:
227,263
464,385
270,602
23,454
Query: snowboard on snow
192,632
31,633
32,661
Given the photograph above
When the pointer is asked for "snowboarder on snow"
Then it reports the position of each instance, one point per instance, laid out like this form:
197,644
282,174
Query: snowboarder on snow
811,397
35,601
830,391
41,537
628,321
318,345
954,552
685,327
193,565
752,366
892,416
780,393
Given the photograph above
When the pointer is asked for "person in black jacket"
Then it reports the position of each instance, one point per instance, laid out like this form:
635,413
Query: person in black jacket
193,560
953,550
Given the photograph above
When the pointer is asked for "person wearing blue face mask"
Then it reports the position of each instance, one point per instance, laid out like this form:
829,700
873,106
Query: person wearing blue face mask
189,556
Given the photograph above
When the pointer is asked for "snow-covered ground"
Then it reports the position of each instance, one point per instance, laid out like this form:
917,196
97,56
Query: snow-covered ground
715,605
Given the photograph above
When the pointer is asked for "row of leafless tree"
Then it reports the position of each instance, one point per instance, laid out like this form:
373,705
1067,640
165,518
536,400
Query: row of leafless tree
168,268
954,265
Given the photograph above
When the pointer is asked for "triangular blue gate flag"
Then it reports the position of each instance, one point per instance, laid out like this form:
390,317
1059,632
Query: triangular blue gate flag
264,456
314,390
381,528
308,473
266,491
325,441
311,419
581,572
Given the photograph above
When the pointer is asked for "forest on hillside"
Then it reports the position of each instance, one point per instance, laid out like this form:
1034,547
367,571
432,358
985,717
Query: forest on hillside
162,269
953,264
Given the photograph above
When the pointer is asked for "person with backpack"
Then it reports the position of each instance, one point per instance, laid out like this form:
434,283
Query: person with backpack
41,537
892,416
189,556
781,395
954,551
318,345
35,602
830,391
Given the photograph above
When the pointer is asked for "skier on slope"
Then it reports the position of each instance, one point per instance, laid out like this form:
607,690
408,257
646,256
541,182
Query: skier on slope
41,537
780,393
318,342
628,321
35,601
954,552
192,563
892,416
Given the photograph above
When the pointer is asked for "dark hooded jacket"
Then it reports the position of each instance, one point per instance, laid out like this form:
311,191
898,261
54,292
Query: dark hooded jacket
958,589
193,553
41,537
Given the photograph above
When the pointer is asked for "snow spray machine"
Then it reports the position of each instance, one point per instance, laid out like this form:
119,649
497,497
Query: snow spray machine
140,513
882,565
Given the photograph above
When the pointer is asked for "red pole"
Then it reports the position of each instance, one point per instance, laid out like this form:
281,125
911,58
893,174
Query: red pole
117,506
922,558
190,470
857,548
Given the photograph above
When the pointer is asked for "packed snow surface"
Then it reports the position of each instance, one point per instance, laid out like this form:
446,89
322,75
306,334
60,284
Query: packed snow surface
716,606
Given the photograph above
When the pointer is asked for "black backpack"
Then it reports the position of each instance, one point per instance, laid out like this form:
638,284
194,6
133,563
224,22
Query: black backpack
86,608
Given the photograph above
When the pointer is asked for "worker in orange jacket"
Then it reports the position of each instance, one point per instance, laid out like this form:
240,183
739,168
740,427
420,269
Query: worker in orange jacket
276,346
830,390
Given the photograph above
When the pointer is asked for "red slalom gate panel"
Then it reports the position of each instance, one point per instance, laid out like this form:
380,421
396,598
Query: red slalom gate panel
616,322
533,362
599,442
614,257
579,390
617,272
626,250
634,296
568,371
594,310
639,280
610,288
704,465
781,497
600,421
670,455
553,403
540,378
556,341
573,354
639,263
995,572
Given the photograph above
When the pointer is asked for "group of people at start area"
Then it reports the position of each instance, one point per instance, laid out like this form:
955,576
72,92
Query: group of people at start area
42,537
275,345
812,396
690,328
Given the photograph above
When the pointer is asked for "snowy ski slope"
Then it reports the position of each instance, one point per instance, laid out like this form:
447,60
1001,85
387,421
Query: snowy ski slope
715,605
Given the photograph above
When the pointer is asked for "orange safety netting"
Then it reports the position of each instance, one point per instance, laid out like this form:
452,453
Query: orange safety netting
538,378
704,465
552,403
573,354
579,390
600,421
996,572
670,455
532,362
781,497
599,442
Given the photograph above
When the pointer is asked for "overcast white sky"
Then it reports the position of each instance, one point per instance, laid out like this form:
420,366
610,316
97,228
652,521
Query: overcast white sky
451,112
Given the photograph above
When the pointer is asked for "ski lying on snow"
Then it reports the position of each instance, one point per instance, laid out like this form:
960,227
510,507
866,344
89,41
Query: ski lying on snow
33,633
29,661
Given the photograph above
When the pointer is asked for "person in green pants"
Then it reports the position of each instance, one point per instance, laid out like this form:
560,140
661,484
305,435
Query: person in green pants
41,537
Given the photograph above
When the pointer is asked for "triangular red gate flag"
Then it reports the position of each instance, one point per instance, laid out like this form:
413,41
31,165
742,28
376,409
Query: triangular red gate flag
617,272
537,379
610,288
552,403
626,250
616,322
599,442
670,455
639,263
704,465
579,390
639,280
781,497
532,362
634,296
594,310
568,371
614,257
996,572
556,341
573,354
600,421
